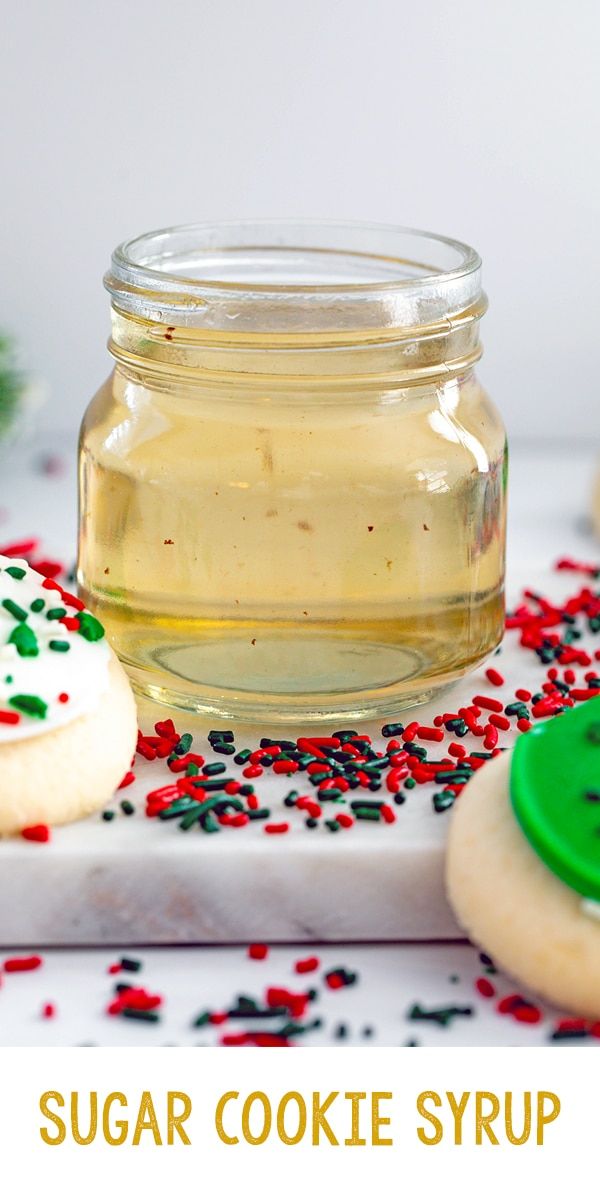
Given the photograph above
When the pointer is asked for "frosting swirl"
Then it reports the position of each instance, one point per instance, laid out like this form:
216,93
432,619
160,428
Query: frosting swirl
54,656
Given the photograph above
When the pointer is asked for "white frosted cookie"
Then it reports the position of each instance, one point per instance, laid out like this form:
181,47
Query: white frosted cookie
67,716
531,899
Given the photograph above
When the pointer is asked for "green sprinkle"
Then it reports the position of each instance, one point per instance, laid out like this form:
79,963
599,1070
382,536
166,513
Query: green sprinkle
191,817
140,1014
443,801
209,825
15,610
203,1018
131,964
184,744
55,614
25,641
367,814
409,783
439,1016
16,572
60,647
107,815
8,678
32,706
242,757
127,807
329,794
90,627
37,605
390,731
214,769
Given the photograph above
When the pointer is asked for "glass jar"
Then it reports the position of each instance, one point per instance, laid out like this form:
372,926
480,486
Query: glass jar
292,486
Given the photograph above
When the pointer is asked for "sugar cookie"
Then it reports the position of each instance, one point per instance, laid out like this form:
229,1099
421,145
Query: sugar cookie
596,505
523,864
67,714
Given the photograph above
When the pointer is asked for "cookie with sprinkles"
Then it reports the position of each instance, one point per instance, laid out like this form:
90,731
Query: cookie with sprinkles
523,864
67,715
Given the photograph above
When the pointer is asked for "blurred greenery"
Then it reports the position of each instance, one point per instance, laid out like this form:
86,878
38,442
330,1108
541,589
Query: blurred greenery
11,385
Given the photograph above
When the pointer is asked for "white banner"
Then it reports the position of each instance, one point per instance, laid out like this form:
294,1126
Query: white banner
271,1124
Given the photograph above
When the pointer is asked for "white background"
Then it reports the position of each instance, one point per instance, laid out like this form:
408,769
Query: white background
406,1168
479,120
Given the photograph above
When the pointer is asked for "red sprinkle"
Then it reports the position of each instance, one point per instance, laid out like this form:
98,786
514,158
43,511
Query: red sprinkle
126,780
9,718
500,722
334,981
488,702
258,950
274,827
48,1011
36,833
429,734
491,737
485,987
295,1002
252,772
495,677
304,965
30,963
410,731
20,549
388,814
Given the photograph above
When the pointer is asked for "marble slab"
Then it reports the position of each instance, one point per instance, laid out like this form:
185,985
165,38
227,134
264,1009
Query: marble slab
145,881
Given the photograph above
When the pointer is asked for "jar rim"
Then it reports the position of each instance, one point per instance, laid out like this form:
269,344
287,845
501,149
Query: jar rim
283,275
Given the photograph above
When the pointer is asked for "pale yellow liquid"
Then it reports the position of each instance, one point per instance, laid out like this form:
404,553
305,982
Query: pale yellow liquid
288,555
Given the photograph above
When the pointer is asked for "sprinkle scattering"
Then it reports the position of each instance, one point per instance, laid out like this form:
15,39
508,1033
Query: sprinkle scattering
53,654
274,1004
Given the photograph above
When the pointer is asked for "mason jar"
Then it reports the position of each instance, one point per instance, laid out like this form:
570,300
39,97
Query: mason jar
292,484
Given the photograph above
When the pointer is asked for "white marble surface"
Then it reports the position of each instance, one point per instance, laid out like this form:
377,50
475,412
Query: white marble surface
391,979
354,886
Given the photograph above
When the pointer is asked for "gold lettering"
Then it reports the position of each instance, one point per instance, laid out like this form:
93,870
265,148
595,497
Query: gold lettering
434,1138
483,1121
508,1119
50,1116
122,1126
175,1121
319,1120
301,1130
146,1121
90,1135
457,1113
266,1128
224,1099
542,1117
377,1120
